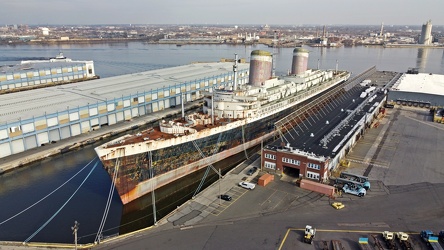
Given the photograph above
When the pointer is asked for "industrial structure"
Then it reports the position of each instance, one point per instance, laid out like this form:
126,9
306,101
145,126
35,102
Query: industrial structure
315,138
418,90
300,61
426,33
41,73
33,118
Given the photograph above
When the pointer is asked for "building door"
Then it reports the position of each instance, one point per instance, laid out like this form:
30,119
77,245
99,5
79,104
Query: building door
293,172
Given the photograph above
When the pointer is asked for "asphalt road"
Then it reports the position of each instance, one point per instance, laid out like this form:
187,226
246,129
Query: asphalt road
402,157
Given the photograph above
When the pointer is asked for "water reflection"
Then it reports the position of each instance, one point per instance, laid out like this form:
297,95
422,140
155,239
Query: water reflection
421,59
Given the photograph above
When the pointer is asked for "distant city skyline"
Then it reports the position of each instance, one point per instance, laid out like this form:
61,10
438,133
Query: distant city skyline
235,12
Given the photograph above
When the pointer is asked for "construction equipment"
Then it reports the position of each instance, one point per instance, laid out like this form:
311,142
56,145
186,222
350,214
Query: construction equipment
430,239
389,240
310,233
345,163
404,240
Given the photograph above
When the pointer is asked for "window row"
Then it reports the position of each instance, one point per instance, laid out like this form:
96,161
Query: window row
270,156
270,165
314,166
312,175
291,161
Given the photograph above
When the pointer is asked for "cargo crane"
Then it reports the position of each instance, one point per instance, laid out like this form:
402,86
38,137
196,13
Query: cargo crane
404,241
358,178
309,235
389,240
431,239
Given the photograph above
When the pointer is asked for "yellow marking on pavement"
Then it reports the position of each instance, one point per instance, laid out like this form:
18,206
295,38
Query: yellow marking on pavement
229,204
285,238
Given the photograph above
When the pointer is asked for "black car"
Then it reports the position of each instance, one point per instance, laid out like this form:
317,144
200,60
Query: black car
252,170
225,197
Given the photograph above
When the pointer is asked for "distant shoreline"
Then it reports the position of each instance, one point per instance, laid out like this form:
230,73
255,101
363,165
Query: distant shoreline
182,43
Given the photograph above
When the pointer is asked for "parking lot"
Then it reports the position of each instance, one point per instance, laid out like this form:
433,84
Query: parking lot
401,156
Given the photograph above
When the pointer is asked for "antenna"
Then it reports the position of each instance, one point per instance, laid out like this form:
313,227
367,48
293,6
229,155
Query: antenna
273,73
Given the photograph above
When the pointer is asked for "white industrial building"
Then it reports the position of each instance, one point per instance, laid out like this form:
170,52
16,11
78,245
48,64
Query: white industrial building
39,73
419,90
29,119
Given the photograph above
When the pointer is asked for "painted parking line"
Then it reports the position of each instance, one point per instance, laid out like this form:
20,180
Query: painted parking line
333,231
219,209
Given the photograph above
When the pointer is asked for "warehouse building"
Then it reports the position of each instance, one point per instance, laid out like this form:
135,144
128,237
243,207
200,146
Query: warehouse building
418,90
314,139
33,118
41,73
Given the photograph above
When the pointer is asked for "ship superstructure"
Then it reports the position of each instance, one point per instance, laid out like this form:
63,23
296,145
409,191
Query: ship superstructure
232,120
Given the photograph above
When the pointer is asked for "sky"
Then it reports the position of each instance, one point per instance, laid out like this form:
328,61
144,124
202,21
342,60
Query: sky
236,12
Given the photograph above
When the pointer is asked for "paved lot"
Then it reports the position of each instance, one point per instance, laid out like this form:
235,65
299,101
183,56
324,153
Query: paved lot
401,156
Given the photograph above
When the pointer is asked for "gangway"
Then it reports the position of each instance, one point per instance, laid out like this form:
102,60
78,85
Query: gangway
357,178
348,181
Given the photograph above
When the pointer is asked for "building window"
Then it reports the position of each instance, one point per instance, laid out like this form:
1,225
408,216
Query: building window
312,175
270,156
270,165
313,166
291,161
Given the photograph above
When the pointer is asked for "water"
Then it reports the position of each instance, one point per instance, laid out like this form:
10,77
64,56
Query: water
24,187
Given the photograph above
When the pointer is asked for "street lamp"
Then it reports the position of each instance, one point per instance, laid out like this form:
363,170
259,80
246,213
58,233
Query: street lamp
220,194
74,229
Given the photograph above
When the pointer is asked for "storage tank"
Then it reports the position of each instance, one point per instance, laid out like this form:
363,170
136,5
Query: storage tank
300,61
260,67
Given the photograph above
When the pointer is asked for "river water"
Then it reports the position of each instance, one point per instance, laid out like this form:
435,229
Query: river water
41,202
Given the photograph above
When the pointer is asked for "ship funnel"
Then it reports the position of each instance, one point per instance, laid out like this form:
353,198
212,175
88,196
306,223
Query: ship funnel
260,67
300,61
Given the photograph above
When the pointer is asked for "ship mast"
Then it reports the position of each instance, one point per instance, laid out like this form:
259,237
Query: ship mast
235,72
183,108
212,107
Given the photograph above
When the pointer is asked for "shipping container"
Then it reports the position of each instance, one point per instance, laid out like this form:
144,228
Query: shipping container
265,179
317,187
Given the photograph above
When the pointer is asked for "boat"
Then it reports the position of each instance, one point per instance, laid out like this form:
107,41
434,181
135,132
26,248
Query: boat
233,119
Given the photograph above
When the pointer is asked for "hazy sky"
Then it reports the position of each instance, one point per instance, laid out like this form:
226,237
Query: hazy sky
294,12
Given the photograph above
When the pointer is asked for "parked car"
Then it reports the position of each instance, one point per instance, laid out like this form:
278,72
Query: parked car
225,197
247,185
252,170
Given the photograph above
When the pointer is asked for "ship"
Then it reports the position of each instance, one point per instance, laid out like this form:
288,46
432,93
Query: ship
232,120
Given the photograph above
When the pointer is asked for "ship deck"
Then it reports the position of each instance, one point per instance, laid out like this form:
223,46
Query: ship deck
154,133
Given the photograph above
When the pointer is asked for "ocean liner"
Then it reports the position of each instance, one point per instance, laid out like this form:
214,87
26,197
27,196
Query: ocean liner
231,121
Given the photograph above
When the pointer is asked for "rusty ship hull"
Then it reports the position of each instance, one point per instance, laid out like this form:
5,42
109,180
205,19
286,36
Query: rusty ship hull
140,167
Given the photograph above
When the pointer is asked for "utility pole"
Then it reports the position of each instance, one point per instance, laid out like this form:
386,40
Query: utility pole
220,194
74,231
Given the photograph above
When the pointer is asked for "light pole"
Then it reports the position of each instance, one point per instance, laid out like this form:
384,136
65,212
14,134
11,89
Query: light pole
74,231
220,194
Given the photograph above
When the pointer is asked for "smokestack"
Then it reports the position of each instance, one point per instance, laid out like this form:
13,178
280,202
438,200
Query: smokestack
300,61
260,67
